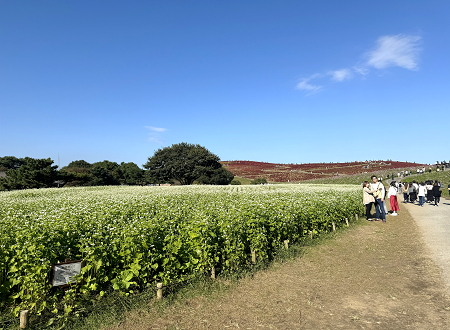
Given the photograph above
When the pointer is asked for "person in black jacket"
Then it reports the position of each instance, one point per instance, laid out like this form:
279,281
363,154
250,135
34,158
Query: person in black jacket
436,193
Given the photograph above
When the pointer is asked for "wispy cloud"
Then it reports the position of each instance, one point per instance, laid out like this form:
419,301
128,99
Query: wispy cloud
156,129
391,50
306,86
155,134
340,75
399,50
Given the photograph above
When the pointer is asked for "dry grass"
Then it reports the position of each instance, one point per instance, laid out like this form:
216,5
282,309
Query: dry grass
374,276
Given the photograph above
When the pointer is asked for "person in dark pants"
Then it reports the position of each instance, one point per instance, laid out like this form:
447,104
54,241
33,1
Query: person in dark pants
379,198
368,199
436,193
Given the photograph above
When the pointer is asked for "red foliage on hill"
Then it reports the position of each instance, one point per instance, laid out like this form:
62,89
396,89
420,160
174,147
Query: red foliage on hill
299,172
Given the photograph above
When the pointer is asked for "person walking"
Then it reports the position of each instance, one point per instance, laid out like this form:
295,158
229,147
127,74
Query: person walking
429,186
412,192
405,192
368,199
422,192
379,198
392,195
436,193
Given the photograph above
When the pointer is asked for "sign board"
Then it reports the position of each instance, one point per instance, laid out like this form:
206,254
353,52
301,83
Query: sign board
64,273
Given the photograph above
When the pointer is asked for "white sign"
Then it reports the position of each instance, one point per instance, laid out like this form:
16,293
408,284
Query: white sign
65,273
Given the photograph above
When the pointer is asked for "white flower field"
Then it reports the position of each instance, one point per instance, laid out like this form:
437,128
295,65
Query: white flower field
130,237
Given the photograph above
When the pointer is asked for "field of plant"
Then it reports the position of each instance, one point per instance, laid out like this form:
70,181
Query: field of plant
302,172
131,237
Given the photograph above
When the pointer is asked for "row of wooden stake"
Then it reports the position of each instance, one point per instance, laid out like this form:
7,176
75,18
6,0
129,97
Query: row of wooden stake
159,286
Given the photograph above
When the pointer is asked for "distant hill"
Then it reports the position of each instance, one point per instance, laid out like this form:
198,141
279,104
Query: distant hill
300,172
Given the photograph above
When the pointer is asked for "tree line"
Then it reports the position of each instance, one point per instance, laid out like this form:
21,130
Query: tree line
182,163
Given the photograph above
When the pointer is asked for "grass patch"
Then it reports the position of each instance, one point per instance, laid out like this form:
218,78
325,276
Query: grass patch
243,180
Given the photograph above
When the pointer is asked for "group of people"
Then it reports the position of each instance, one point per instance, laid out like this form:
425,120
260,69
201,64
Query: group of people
432,192
374,193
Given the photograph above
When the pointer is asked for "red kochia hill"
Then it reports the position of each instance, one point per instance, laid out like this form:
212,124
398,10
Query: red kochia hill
299,172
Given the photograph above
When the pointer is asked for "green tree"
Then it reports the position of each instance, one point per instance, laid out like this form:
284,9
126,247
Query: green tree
79,164
105,173
131,174
220,176
10,163
259,181
33,173
183,162
77,173
236,182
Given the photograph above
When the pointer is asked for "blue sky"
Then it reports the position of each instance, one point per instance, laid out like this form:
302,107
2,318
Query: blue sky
274,81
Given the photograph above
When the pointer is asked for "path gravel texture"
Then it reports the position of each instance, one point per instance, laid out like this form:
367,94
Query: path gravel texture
434,224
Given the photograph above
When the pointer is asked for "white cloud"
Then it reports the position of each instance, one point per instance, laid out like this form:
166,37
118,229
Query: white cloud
155,134
399,50
340,75
155,140
361,70
306,86
392,50
156,129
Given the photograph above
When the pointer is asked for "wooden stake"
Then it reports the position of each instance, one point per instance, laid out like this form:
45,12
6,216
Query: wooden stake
346,221
253,257
286,244
213,272
24,319
334,226
310,234
159,294
356,216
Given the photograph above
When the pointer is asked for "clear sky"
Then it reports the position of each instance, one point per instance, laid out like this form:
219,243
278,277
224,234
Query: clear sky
274,81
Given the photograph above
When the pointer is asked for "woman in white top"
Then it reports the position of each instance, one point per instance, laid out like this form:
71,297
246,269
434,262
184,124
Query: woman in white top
422,193
392,195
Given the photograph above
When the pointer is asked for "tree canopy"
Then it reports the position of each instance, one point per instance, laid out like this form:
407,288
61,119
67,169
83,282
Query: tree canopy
185,163
28,172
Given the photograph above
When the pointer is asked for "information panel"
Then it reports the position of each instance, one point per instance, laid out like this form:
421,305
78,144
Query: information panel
64,273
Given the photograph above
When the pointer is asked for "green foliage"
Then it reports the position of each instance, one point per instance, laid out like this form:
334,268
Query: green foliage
28,173
259,181
183,162
131,174
130,237
10,163
220,176
79,164
235,182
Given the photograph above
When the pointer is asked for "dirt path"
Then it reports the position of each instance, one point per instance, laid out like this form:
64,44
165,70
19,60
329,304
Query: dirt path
374,276
434,223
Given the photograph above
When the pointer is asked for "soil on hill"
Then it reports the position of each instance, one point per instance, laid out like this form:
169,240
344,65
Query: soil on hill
374,276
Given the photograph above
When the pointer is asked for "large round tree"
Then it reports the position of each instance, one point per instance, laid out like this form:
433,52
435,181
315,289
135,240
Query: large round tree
183,162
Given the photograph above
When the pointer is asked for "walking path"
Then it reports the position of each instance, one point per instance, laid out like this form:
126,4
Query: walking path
434,223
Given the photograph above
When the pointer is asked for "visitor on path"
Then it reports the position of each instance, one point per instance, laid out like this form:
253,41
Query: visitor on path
379,198
405,192
392,195
436,193
412,192
422,193
429,186
368,199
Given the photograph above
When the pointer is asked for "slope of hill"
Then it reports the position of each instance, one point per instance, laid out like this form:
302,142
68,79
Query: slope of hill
300,172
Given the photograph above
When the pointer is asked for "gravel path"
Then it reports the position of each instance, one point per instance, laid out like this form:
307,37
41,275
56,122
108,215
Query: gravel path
434,223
